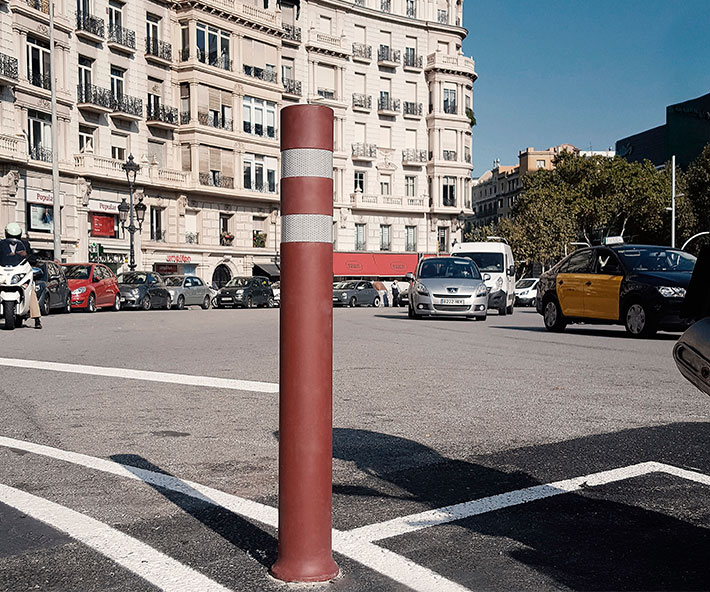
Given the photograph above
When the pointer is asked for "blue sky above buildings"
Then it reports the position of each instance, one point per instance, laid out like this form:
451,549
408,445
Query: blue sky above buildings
587,73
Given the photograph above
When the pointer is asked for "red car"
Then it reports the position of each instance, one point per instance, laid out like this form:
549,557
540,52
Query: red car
92,286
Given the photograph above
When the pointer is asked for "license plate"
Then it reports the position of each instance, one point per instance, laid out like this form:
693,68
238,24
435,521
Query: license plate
227,298
452,301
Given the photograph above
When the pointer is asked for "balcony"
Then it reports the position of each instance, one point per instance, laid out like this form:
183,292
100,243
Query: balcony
94,99
12,147
411,11
388,106
386,5
327,93
414,157
451,64
292,87
364,152
412,110
326,43
41,5
261,74
260,187
89,27
442,17
388,57
40,153
8,70
216,180
158,51
157,235
292,34
192,238
450,108
362,53
214,59
259,129
365,201
184,117
215,120
161,116
412,61
120,39
467,157
449,155
39,79
362,102
127,108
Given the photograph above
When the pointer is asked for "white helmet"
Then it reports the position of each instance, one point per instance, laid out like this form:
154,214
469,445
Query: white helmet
13,230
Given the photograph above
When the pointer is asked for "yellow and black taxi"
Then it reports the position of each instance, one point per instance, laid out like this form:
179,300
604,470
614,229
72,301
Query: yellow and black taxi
639,286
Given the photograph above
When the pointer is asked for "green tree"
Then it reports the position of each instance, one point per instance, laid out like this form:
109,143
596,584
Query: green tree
696,186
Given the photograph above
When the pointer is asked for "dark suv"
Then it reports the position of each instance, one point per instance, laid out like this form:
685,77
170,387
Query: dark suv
51,287
245,292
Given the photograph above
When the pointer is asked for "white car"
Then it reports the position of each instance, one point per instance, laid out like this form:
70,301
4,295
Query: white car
276,289
526,292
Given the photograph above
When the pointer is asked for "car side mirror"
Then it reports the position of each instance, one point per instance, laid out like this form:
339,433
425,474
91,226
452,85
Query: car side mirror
95,280
410,276
486,277
692,354
511,270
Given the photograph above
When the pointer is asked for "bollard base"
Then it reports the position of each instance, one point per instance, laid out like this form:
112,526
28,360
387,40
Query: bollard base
298,571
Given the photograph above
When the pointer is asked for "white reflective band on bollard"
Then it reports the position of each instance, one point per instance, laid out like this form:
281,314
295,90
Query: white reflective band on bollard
306,228
306,162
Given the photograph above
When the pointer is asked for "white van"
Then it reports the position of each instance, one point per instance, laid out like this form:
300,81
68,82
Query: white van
496,260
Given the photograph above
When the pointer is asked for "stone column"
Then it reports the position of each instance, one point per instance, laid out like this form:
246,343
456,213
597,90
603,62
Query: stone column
8,197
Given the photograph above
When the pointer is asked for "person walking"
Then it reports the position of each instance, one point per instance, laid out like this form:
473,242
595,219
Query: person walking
395,293
13,250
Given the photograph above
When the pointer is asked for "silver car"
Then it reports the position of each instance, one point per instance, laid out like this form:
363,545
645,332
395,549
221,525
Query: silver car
448,286
186,290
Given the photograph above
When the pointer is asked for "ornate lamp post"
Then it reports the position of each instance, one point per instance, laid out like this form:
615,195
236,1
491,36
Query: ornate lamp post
126,210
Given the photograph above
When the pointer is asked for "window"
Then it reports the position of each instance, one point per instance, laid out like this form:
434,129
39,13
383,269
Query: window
156,224
442,239
287,69
260,173
360,237
449,191
606,262
117,82
411,8
259,232
450,99
213,46
385,185
119,144
155,152
152,30
192,236
224,223
185,42
40,135
410,188
359,181
38,62
580,262
115,16
385,237
256,112
326,24
86,138
85,66
541,164
410,238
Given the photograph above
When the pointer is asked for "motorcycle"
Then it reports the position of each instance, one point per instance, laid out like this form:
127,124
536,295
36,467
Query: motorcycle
15,288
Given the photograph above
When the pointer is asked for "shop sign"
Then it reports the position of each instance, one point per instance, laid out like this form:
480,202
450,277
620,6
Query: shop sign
103,225
40,197
107,207
97,255
178,258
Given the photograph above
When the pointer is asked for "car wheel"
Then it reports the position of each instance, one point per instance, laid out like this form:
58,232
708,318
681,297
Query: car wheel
533,302
502,309
8,312
249,302
116,303
146,304
44,306
376,302
638,320
206,303
510,310
168,302
353,302
553,317
91,304
67,304
180,302
270,303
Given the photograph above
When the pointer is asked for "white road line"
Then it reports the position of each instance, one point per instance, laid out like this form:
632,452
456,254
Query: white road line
388,563
146,562
186,379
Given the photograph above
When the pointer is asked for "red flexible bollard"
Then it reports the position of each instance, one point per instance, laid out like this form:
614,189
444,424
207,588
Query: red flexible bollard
306,347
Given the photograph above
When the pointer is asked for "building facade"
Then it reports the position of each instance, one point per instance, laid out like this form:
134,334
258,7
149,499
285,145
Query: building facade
193,90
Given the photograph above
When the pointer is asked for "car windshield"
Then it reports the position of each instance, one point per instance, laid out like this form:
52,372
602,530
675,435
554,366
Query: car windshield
238,283
656,259
131,278
77,272
173,280
486,261
344,286
448,268
526,283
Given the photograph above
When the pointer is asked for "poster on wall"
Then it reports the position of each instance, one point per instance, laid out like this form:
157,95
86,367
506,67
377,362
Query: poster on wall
102,225
41,217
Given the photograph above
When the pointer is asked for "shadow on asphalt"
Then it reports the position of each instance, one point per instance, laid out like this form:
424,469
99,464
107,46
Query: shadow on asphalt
594,332
233,528
580,540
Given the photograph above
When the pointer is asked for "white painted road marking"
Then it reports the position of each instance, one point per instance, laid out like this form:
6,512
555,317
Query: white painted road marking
185,379
388,563
151,565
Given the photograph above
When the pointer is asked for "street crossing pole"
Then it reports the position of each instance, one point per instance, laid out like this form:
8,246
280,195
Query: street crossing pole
306,346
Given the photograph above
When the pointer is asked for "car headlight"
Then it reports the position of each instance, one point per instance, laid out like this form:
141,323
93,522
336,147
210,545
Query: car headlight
481,290
499,283
78,291
671,291
344,295
17,278
421,289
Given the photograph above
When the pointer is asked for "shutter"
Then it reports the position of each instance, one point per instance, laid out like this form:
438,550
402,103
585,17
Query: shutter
203,95
190,222
186,158
117,141
184,90
449,139
326,77
259,55
215,159
359,34
360,83
410,139
359,133
227,98
270,54
385,137
214,99
204,159
412,91
228,163
247,52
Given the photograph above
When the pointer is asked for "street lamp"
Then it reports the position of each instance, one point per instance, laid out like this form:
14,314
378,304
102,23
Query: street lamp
126,210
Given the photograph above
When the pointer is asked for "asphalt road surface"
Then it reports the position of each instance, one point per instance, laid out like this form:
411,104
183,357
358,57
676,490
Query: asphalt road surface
138,451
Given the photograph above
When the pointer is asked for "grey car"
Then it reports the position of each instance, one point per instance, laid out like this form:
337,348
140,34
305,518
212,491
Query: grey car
448,286
355,293
144,290
186,290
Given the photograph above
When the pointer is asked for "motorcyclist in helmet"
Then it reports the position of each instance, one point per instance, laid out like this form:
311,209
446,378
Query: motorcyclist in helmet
13,251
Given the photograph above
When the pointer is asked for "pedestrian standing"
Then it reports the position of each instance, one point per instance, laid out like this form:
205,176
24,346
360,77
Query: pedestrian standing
395,293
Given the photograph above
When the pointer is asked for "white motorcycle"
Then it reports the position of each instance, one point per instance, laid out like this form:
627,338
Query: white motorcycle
15,288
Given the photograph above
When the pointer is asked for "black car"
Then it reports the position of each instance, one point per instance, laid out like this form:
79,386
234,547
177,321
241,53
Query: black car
51,287
639,286
145,290
245,292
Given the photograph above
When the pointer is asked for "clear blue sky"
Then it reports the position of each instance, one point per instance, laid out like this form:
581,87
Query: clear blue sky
580,72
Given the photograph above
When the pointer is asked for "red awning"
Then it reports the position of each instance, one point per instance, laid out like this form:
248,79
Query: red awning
374,264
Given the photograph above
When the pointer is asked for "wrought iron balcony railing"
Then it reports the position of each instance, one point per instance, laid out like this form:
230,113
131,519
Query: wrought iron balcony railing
412,60
215,120
291,86
388,104
450,202
215,59
261,73
157,235
40,79
184,54
410,247
385,5
8,66
361,50
125,37
162,113
41,5
412,108
364,150
88,93
159,49
184,117
442,16
216,180
326,93
360,245
128,105
90,23
450,107
387,54
362,101
449,154
411,12
291,32
40,153
192,238
414,155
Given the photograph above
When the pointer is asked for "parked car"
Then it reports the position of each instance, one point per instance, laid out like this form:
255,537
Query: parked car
639,286
276,289
186,290
355,293
92,286
145,290
448,286
51,287
526,291
245,292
